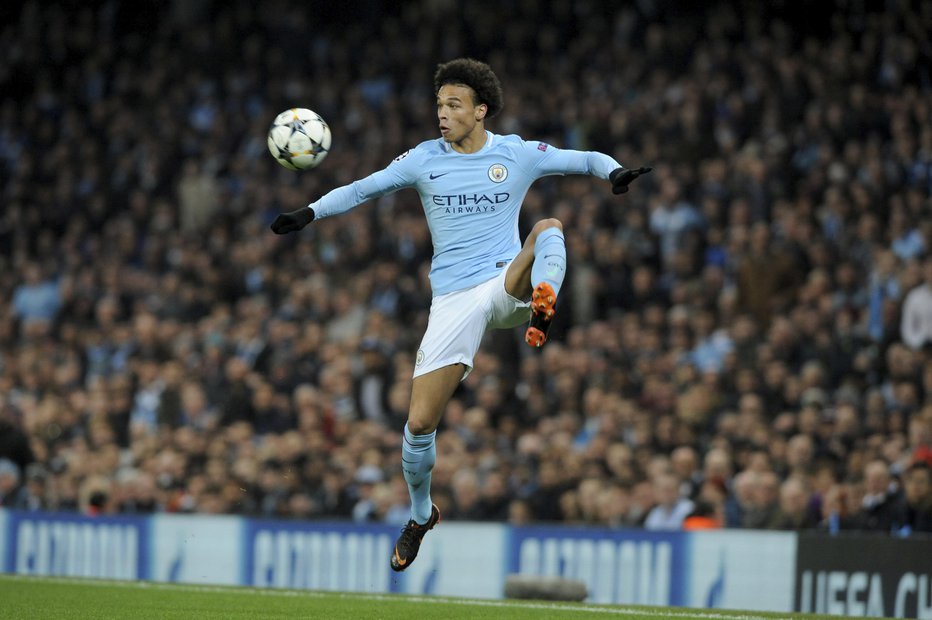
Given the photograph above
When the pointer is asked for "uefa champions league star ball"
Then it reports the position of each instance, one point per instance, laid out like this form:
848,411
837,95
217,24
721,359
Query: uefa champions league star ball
299,139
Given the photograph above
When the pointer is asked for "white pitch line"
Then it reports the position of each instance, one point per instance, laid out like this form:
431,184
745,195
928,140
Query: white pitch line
630,611
278,592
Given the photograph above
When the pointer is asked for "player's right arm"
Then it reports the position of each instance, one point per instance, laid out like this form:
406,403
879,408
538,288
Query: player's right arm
400,173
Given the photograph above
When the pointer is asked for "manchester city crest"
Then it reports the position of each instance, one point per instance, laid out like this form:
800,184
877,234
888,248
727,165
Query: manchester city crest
498,172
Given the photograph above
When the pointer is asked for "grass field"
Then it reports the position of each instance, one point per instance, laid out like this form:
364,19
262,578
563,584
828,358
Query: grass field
52,597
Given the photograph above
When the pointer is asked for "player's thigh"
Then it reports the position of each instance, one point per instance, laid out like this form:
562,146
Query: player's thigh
430,394
455,327
507,310
518,276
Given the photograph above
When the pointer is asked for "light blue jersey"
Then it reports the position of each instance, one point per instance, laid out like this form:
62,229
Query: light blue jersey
471,200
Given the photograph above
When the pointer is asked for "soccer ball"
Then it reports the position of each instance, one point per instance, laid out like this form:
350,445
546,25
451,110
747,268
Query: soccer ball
299,139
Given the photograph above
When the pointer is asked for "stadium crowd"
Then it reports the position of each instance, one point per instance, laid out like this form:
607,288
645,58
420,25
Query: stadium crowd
744,340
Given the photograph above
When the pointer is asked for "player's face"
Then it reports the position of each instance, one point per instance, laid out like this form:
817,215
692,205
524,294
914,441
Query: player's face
458,115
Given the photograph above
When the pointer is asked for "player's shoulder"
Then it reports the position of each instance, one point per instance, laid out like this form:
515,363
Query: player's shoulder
424,150
518,143
508,141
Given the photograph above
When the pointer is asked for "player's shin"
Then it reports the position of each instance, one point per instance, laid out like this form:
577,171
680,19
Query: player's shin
418,455
549,259
547,274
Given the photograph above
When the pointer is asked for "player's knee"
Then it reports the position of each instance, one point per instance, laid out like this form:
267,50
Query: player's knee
420,425
550,222
540,227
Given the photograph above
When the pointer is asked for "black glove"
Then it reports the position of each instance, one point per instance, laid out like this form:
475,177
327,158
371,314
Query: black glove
295,220
621,177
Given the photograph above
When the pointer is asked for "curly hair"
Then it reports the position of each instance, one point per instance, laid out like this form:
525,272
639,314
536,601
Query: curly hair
476,75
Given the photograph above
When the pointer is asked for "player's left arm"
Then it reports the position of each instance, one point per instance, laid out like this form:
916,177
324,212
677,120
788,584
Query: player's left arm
547,160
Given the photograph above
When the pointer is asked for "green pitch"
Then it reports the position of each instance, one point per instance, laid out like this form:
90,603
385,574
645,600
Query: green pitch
75,599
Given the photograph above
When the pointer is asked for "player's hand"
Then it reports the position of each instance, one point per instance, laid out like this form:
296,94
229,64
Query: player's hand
292,221
621,177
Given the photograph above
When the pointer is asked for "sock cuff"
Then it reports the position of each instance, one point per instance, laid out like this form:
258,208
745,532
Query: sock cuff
419,441
547,235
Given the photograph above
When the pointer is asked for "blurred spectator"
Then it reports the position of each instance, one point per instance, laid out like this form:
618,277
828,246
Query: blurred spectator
519,512
741,500
717,467
333,495
136,493
766,277
671,509
494,499
267,414
236,393
917,490
793,512
800,455
917,311
373,381
672,218
704,516
9,483
614,507
763,508
835,513
546,497
14,442
34,493
367,478
194,409
198,196
36,301
883,288
919,446
642,501
685,464
882,506
94,496
146,401
466,495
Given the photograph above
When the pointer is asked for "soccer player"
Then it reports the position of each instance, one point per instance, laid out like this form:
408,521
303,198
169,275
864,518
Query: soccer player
471,183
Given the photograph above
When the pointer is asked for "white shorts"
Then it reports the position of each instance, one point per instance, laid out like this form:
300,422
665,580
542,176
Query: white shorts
458,320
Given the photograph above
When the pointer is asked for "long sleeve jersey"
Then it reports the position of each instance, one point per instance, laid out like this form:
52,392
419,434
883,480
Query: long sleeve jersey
471,200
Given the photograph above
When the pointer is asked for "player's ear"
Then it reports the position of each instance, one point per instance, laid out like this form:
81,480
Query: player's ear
481,110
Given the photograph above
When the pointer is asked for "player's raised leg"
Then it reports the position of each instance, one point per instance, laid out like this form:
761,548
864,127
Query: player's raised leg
538,270
430,394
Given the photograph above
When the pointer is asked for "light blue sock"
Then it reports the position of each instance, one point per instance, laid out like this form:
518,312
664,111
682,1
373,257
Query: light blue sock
549,259
418,455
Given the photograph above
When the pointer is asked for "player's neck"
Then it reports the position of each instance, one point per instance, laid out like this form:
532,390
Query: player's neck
471,142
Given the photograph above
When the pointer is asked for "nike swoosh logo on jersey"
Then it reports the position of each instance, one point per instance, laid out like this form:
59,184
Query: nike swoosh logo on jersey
437,176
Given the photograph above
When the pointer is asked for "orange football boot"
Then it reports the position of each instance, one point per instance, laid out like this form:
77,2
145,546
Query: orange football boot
543,300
